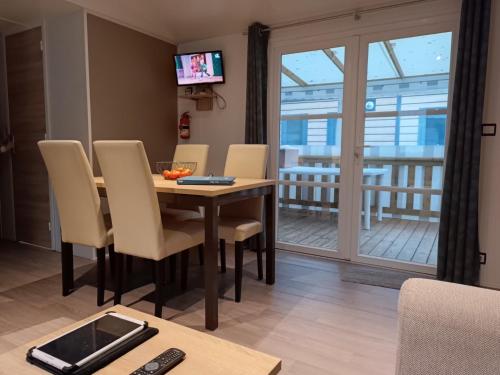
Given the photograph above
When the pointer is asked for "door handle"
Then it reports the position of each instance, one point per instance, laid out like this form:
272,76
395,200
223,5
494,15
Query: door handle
358,152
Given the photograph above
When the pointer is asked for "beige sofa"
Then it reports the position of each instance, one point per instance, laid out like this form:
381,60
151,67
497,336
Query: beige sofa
448,329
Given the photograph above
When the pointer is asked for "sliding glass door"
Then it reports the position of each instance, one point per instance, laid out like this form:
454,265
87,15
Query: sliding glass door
359,138
312,117
402,136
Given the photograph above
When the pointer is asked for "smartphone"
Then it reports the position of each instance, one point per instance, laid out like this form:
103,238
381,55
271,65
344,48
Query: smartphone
82,344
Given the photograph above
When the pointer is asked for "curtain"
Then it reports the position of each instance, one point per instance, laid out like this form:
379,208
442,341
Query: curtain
458,247
256,109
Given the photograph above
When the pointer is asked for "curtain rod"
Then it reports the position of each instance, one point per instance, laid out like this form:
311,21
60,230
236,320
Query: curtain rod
356,13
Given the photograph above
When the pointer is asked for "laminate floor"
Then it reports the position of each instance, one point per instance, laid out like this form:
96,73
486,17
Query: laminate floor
316,323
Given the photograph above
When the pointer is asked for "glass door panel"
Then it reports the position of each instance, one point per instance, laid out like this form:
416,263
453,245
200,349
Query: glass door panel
405,114
311,106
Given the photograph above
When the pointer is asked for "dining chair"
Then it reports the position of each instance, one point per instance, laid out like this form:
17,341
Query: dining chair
188,153
138,227
197,153
242,221
193,153
80,213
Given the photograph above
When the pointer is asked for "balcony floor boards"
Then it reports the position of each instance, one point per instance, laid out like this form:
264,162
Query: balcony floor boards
393,239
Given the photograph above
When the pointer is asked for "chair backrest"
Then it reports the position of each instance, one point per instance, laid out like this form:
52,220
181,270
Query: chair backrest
193,153
246,161
132,198
78,202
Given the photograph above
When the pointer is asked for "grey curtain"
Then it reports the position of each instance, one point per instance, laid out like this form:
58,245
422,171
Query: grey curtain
256,109
458,248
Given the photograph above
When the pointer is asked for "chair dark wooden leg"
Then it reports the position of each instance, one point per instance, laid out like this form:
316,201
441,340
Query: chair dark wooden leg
67,268
101,275
118,278
129,259
111,254
172,261
184,268
238,269
201,253
153,271
259,257
222,245
159,286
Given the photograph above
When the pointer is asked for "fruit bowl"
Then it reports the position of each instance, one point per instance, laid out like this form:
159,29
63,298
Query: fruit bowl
172,170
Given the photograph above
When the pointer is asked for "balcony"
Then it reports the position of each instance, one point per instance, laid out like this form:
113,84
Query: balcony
400,210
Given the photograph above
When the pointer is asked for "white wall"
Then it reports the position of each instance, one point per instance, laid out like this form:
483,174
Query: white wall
66,93
220,128
66,78
489,200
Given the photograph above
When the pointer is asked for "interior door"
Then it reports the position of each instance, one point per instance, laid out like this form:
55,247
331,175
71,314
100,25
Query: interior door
313,122
27,122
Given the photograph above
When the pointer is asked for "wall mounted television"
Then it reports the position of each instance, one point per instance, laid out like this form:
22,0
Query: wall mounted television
199,68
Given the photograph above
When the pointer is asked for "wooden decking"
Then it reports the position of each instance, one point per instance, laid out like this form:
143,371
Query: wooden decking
405,240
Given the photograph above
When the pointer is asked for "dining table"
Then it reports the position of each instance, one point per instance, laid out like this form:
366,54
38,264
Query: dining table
211,197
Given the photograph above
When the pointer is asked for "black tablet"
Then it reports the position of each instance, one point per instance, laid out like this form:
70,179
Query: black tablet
84,343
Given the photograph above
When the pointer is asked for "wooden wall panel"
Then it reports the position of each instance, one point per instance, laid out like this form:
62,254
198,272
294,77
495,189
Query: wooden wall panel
27,122
133,93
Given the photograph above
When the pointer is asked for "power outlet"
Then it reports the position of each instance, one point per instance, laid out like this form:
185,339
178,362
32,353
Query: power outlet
489,130
482,258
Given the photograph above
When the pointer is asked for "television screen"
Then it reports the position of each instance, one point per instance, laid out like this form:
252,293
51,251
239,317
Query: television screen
199,68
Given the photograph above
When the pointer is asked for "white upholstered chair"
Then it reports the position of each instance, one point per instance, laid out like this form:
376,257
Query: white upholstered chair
241,221
138,227
193,153
79,205
189,153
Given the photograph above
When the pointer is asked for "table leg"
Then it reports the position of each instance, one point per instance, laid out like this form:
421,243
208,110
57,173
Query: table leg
270,206
366,204
379,199
210,265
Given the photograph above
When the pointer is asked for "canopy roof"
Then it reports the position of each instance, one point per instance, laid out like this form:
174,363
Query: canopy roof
397,58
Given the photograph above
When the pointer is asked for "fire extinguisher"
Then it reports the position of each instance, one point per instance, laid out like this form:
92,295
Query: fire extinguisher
184,131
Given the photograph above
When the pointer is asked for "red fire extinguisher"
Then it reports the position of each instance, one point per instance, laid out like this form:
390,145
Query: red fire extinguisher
184,131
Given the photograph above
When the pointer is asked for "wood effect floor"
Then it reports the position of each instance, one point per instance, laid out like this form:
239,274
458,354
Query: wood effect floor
313,321
394,239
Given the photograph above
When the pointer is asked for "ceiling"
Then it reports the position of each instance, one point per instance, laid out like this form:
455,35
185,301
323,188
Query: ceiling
17,15
181,21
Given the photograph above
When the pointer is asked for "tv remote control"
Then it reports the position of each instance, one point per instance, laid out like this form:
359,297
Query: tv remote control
161,364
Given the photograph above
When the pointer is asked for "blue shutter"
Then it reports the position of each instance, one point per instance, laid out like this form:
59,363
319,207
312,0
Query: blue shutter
431,130
293,132
283,133
304,125
331,131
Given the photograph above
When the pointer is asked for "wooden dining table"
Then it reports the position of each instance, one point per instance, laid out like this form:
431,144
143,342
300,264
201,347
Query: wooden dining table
211,197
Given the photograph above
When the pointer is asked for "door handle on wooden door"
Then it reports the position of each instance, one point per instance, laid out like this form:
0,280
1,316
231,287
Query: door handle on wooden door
358,152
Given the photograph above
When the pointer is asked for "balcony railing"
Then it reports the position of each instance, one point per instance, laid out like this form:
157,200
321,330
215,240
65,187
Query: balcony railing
408,186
